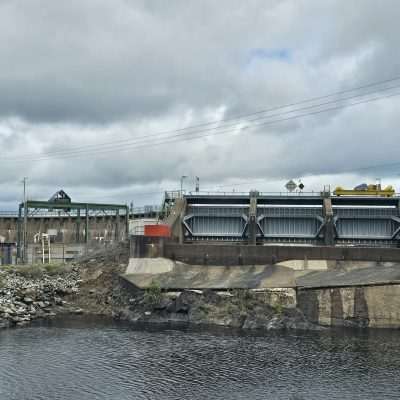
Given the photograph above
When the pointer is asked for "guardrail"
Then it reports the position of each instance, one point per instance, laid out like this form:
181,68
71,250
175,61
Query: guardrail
282,193
224,193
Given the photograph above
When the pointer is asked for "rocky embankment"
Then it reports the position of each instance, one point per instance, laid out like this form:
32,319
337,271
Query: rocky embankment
243,309
92,286
31,292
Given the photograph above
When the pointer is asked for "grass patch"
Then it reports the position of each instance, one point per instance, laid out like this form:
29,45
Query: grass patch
33,271
36,271
7,268
153,294
278,308
56,268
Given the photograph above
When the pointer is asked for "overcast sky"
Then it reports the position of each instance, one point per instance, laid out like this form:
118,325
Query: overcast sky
76,76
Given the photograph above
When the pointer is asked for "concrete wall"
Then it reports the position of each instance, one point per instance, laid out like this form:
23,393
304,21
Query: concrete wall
367,306
66,227
136,226
237,254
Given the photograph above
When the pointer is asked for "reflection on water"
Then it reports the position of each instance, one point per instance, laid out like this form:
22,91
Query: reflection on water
102,360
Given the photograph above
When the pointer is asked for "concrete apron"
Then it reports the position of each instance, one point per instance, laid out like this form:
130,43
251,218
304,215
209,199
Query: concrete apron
174,275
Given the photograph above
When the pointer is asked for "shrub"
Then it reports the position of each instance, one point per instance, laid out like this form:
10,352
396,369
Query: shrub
56,268
153,294
278,308
34,271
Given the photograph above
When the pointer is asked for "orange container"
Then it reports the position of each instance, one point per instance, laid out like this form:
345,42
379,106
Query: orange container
157,230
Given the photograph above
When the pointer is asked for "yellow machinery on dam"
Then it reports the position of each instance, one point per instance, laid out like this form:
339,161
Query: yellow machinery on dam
366,190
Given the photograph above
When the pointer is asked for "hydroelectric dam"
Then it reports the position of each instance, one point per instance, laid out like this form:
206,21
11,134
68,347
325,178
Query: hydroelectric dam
340,226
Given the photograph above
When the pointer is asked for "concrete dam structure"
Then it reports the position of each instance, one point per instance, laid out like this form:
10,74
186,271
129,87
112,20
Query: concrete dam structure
317,219
337,258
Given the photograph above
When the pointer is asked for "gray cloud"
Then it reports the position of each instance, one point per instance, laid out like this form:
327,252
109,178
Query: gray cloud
78,73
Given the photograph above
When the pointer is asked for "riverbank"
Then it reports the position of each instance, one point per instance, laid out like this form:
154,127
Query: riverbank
97,285
92,286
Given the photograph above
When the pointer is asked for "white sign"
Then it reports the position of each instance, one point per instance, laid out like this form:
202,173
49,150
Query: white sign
290,186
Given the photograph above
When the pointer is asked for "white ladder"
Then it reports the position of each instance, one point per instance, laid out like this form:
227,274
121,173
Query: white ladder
46,251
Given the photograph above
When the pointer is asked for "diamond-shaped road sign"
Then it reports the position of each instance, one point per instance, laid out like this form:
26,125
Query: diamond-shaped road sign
290,186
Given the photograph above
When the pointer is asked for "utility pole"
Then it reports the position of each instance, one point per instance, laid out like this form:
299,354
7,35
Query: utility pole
25,235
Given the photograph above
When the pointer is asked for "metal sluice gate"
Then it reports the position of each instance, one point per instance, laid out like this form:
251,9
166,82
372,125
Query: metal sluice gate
369,221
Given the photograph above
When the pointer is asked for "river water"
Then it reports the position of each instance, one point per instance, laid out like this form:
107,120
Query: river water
73,359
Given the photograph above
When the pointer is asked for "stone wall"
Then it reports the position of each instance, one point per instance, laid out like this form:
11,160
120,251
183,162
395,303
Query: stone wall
362,306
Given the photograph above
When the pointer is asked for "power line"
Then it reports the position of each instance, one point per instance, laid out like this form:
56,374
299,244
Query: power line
146,138
182,137
227,131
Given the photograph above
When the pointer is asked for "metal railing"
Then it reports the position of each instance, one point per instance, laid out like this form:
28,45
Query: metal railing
225,193
281,193
61,213
8,213
150,209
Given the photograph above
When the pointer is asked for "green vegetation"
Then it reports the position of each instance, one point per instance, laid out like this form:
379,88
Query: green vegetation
244,298
33,271
153,294
278,308
7,268
56,268
36,271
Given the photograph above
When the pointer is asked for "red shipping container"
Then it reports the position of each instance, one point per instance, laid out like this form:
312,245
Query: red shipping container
157,230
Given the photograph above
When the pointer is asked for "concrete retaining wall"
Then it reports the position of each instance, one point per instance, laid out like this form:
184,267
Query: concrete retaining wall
367,306
231,254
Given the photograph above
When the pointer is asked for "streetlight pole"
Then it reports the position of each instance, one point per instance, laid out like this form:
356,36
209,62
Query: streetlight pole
182,178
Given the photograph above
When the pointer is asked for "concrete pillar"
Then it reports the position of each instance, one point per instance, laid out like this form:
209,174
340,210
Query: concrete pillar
117,224
25,234
19,233
398,214
78,226
329,229
127,222
87,224
252,224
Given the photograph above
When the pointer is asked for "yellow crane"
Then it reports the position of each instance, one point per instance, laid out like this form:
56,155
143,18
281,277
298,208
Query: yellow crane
366,190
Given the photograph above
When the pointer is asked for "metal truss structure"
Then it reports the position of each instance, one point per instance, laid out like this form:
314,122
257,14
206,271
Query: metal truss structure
80,211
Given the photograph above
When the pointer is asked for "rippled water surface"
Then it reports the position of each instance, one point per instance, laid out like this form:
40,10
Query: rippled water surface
98,360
